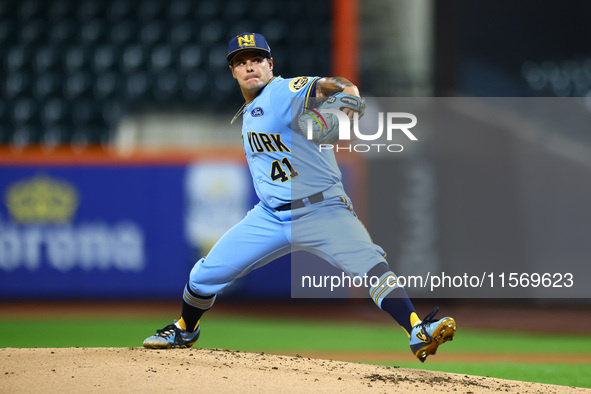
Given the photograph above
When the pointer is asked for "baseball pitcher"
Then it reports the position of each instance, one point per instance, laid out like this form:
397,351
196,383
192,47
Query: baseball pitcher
303,191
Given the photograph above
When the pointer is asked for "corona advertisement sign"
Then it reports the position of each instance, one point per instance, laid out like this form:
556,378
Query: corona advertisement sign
92,231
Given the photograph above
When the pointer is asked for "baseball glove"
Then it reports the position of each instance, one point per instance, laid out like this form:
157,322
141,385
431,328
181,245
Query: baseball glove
322,127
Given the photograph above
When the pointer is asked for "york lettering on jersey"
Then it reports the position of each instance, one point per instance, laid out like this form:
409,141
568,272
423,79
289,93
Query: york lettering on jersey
261,142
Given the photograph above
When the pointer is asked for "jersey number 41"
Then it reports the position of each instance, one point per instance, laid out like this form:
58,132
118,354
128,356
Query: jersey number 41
278,173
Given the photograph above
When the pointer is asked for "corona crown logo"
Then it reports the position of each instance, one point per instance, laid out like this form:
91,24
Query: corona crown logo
42,199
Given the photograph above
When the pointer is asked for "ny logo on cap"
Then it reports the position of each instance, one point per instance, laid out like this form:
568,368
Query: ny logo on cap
246,41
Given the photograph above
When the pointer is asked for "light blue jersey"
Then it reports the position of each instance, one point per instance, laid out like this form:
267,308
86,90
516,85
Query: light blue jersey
284,165
287,169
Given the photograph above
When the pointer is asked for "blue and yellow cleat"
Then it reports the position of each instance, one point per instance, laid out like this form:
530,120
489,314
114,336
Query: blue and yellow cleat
426,336
172,336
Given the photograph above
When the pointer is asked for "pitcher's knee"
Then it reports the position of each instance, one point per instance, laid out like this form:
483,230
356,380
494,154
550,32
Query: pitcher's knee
206,280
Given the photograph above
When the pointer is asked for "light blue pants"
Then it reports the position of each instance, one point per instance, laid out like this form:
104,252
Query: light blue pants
329,229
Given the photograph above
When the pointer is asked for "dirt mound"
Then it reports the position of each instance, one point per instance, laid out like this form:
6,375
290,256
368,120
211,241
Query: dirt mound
218,371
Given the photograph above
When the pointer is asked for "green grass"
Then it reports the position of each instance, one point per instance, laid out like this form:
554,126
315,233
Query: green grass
271,336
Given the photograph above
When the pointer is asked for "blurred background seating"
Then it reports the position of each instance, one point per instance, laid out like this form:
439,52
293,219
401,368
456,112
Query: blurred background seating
70,69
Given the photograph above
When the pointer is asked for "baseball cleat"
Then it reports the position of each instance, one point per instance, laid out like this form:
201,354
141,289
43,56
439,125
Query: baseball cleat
172,336
426,336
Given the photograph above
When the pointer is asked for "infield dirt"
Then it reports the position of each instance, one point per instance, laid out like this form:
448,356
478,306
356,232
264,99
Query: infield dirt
121,370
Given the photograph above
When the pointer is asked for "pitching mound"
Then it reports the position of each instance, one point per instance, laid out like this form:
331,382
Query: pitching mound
217,371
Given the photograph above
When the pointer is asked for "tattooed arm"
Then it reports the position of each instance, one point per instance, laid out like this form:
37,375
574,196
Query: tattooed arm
326,87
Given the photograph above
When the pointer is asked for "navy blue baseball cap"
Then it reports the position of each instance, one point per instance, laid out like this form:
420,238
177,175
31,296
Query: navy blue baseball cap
246,41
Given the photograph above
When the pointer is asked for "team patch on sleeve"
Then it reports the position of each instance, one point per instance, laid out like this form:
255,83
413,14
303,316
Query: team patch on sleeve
298,83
